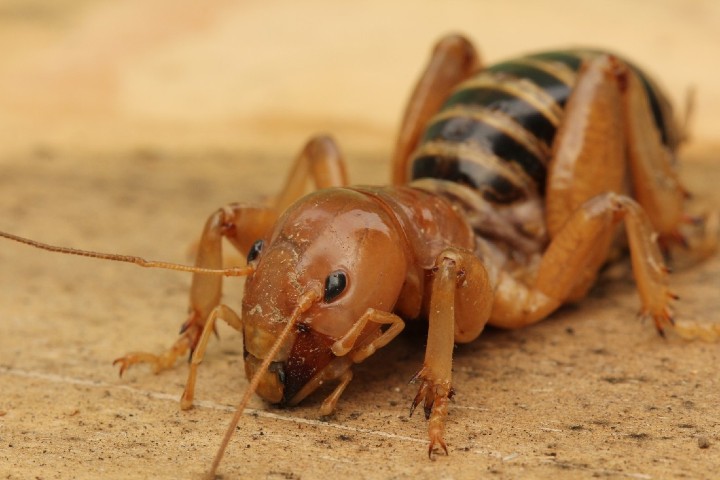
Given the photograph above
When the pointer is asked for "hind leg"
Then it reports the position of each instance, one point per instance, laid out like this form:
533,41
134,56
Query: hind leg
583,206
588,155
609,133
656,185
570,264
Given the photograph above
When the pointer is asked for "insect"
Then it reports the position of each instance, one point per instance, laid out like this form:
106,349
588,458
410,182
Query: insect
508,185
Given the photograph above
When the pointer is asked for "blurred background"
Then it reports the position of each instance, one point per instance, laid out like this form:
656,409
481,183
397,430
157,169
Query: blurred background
102,75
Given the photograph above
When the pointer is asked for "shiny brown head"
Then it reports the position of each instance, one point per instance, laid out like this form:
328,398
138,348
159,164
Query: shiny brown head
344,246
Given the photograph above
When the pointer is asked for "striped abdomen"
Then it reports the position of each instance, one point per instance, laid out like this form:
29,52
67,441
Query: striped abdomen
495,131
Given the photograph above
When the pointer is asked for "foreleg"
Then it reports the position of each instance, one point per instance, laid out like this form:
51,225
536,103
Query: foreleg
221,311
459,306
241,225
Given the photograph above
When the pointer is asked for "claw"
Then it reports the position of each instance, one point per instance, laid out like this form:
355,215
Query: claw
435,396
186,324
139,357
192,319
428,408
662,319
422,393
431,447
413,406
123,365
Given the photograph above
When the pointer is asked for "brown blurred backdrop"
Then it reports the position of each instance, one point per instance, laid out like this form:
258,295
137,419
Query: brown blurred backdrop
175,73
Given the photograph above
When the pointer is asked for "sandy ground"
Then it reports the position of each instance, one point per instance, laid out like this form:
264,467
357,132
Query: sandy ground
123,126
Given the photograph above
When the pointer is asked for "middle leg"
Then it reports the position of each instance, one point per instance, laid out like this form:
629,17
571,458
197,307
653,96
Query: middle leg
453,60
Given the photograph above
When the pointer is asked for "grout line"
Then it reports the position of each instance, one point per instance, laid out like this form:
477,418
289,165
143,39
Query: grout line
52,377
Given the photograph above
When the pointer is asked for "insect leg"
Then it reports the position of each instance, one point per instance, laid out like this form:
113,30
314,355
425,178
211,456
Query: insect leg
571,263
588,155
241,224
221,311
656,185
453,60
347,342
339,368
321,161
460,303
329,404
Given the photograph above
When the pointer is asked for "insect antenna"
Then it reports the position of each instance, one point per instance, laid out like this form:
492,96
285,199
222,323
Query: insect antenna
228,272
310,296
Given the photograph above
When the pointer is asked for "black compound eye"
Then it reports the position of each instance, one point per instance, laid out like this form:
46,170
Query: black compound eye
255,250
335,283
